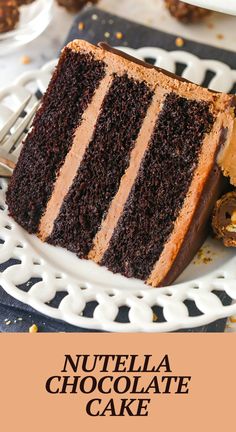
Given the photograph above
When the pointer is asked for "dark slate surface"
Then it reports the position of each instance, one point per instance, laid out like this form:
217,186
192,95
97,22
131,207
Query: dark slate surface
134,35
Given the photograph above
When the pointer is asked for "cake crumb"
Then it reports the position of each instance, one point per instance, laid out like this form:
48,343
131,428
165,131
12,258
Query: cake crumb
8,322
33,329
107,34
119,35
179,42
233,217
220,36
204,256
233,319
231,228
154,317
149,21
25,60
20,319
210,25
81,26
94,17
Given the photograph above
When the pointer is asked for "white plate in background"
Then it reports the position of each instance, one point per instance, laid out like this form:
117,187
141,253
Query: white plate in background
224,6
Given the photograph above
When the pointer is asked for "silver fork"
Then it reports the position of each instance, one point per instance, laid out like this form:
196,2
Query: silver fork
11,142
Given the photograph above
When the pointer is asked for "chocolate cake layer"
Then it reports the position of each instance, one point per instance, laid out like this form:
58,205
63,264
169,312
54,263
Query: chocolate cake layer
68,95
197,231
154,204
104,163
104,234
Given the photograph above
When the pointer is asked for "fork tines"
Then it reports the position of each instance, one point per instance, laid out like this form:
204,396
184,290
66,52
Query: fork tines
12,120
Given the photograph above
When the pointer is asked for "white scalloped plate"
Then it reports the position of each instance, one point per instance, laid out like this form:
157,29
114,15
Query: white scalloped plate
224,6
47,270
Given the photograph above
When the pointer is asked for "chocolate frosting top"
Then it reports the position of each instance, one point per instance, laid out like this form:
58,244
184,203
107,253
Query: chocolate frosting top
108,48
126,56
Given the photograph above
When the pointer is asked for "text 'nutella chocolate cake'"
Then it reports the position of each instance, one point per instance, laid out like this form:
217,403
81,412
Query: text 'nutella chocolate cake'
121,165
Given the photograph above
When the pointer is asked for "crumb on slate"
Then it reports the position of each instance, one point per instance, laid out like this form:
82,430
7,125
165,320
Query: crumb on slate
210,25
204,256
33,329
81,26
119,35
179,42
8,322
25,60
155,317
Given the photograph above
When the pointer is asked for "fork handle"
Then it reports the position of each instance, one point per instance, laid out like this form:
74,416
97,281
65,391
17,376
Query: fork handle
6,167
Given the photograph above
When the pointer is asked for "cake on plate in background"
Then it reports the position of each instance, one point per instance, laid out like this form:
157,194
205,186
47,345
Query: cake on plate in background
75,5
185,12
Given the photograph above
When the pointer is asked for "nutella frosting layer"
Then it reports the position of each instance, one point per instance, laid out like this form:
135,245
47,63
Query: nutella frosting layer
104,235
67,173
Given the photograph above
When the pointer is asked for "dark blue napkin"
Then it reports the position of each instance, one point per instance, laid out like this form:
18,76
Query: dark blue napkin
18,317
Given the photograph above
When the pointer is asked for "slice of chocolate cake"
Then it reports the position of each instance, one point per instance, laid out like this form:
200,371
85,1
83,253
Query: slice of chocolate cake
121,165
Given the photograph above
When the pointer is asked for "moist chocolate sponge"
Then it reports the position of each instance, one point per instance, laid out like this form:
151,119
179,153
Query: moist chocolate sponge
69,93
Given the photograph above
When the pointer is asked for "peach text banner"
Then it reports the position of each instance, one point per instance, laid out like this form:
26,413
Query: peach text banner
204,402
